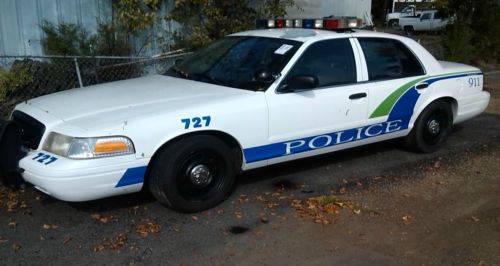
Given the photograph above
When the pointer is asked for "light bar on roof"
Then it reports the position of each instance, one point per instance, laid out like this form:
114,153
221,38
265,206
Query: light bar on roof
329,23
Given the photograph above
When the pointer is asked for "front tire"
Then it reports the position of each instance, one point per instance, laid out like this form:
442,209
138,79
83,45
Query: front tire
193,174
432,128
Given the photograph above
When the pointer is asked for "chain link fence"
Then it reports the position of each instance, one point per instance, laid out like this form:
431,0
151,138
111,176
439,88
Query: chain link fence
23,78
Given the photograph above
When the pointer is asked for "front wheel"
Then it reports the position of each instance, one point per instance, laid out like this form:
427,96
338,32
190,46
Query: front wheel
431,129
193,174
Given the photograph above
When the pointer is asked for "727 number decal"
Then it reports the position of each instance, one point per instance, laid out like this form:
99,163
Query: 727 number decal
44,158
198,122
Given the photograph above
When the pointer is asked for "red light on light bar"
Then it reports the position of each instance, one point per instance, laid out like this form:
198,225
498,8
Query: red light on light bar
279,23
331,23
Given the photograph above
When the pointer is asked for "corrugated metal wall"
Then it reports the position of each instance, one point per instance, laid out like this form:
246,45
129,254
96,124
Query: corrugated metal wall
20,21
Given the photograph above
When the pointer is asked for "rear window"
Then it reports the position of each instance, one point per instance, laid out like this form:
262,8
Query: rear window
389,59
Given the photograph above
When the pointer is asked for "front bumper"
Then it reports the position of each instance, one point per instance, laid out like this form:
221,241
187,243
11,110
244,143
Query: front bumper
83,180
63,178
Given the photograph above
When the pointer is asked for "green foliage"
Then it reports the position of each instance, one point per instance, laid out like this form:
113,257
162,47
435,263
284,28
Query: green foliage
474,35
10,81
206,20
111,41
72,39
135,15
276,8
66,39
457,40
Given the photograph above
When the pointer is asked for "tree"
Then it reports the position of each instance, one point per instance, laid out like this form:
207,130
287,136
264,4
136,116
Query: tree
474,34
205,20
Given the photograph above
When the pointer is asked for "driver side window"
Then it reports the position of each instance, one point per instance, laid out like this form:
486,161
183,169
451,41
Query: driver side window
331,62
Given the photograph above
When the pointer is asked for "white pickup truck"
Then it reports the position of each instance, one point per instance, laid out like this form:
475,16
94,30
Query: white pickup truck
427,20
392,19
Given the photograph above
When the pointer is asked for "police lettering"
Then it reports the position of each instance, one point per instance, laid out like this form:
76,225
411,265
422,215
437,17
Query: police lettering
340,137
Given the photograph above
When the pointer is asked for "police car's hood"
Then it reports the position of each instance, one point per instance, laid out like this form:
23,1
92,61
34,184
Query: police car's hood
136,95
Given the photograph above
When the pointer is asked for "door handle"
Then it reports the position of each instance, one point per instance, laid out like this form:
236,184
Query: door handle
422,86
357,96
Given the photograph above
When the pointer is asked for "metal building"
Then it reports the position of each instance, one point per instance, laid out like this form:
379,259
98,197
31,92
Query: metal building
20,21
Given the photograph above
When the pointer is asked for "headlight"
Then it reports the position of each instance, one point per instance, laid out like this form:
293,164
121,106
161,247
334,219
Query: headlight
87,148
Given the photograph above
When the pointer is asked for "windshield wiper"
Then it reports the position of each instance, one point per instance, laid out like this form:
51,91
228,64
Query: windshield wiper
181,73
211,79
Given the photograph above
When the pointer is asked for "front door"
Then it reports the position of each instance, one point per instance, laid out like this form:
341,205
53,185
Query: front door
313,120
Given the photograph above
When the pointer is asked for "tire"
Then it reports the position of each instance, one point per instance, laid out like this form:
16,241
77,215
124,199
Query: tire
432,128
409,31
393,23
193,174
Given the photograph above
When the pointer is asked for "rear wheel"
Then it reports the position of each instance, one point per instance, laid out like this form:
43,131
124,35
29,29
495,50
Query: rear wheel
193,174
431,129
393,23
409,31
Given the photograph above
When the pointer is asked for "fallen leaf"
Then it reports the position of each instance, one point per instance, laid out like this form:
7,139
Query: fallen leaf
102,217
15,247
147,227
66,240
483,263
115,244
12,223
406,217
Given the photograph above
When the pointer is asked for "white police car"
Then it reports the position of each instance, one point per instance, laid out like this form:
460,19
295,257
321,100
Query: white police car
248,100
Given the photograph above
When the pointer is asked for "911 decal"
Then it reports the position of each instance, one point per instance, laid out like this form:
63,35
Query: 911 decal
474,82
44,158
198,122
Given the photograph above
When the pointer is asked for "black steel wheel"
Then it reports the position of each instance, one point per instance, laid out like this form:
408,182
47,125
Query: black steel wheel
432,128
193,174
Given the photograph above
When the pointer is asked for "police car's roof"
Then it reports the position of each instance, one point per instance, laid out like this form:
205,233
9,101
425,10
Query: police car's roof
304,35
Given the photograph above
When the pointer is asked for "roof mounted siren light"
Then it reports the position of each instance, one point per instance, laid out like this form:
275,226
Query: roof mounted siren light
328,23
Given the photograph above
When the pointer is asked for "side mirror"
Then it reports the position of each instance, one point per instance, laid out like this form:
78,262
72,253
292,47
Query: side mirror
300,83
264,76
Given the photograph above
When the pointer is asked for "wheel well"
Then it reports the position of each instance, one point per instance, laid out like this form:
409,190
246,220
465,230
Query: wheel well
453,104
228,139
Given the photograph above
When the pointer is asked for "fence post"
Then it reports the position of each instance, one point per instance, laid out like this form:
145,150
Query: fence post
78,73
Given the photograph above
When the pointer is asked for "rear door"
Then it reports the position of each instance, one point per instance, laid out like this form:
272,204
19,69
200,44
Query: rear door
394,73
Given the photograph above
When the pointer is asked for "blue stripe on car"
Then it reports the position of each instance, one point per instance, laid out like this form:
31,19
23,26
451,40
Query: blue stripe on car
132,176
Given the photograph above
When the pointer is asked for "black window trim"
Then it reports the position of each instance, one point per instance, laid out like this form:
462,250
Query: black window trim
394,39
277,90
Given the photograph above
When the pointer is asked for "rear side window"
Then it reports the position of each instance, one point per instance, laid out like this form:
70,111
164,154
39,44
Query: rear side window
331,61
389,59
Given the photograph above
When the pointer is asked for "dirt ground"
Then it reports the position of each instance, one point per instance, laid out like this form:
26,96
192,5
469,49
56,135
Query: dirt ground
371,206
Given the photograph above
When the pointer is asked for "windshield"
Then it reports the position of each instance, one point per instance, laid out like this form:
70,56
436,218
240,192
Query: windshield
243,62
